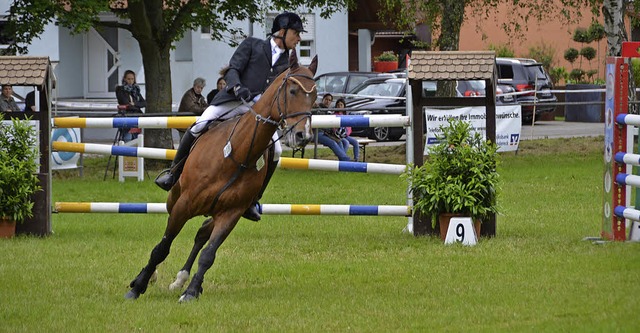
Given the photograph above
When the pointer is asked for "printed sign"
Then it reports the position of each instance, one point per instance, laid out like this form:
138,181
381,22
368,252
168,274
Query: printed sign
508,124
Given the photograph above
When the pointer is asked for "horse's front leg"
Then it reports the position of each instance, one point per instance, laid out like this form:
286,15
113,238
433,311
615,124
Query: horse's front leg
201,238
208,255
158,255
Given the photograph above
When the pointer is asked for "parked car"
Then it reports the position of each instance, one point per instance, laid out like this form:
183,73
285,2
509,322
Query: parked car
338,83
528,76
391,101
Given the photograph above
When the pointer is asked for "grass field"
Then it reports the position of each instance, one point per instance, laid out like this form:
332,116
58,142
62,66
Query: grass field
337,274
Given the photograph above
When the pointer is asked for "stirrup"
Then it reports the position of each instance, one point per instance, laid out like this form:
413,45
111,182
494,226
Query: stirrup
165,180
252,213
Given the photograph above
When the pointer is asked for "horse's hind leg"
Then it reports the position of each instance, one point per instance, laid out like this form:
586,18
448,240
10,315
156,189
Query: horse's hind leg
201,238
208,255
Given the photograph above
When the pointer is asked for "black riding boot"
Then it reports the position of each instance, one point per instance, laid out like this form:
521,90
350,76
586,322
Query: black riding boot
252,212
170,176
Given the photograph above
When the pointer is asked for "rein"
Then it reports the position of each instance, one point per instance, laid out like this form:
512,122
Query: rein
281,124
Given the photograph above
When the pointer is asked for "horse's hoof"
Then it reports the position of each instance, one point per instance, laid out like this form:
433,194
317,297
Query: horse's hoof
154,277
187,298
181,278
131,295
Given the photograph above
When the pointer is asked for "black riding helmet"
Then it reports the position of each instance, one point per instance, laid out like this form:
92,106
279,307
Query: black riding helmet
286,20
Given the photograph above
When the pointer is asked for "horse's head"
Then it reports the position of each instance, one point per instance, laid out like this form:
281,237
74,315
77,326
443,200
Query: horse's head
295,97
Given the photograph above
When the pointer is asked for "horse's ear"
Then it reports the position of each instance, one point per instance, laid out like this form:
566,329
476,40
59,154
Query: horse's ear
314,65
293,60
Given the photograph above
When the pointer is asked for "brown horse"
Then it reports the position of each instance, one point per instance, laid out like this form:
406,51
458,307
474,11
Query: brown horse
225,171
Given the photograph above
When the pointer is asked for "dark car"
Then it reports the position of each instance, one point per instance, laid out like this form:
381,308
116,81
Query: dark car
386,96
338,83
378,96
530,82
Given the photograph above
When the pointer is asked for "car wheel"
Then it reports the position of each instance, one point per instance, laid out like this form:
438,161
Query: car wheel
394,137
527,120
381,133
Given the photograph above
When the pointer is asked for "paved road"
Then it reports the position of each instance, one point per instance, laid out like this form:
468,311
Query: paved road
560,129
543,130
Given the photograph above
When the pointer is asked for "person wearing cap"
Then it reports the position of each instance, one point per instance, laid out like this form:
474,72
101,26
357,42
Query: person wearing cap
252,68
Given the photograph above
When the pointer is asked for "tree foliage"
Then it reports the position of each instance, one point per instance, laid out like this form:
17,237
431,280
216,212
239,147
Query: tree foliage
445,17
155,25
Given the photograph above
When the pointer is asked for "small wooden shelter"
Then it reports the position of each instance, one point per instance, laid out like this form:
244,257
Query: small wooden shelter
34,72
450,66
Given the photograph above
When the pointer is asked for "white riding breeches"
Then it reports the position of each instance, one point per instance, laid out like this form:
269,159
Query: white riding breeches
229,110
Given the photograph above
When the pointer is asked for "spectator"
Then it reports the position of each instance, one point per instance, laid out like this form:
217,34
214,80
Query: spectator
129,93
329,136
220,84
326,101
30,101
7,103
130,101
345,132
249,74
192,101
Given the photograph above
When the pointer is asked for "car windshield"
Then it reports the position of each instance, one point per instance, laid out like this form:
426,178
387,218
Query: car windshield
391,89
536,71
471,88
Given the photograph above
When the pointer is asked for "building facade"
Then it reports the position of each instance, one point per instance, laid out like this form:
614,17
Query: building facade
91,65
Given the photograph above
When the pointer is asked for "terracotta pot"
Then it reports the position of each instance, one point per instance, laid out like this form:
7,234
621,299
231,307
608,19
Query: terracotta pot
443,220
7,227
384,66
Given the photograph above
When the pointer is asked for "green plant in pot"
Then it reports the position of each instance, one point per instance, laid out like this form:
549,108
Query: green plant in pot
18,167
386,56
385,62
459,176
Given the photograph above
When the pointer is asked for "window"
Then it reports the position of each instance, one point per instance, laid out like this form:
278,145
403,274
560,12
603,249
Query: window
506,71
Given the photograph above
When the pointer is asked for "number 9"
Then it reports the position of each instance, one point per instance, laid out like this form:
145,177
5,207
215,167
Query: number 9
460,232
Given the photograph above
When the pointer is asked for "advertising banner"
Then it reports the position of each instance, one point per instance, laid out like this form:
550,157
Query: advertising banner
508,124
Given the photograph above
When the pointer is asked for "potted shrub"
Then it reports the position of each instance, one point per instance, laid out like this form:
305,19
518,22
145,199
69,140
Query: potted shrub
18,178
458,178
385,62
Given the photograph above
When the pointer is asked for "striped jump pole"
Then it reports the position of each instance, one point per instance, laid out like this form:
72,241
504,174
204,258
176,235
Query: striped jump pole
94,148
285,162
317,121
266,209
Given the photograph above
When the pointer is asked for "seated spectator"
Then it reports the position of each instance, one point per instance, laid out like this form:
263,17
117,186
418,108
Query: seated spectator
7,103
130,100
220,84
325,103
345,132
329,136
192,101
30,101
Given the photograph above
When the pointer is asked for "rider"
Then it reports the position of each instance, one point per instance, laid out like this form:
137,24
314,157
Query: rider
253,66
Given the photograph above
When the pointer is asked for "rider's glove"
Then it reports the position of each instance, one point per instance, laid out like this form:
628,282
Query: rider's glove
242,93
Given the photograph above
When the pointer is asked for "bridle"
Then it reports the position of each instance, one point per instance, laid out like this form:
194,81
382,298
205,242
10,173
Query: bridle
278,123
283,115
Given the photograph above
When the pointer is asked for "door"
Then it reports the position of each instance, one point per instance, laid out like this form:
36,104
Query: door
102,62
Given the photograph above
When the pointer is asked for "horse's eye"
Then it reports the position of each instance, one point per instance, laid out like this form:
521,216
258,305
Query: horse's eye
292,91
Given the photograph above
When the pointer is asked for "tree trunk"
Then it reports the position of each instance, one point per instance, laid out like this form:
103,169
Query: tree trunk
149,29
157,69
614,12
452,17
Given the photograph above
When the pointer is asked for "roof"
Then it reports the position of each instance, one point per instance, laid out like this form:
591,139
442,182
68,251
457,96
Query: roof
24,70
452,65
